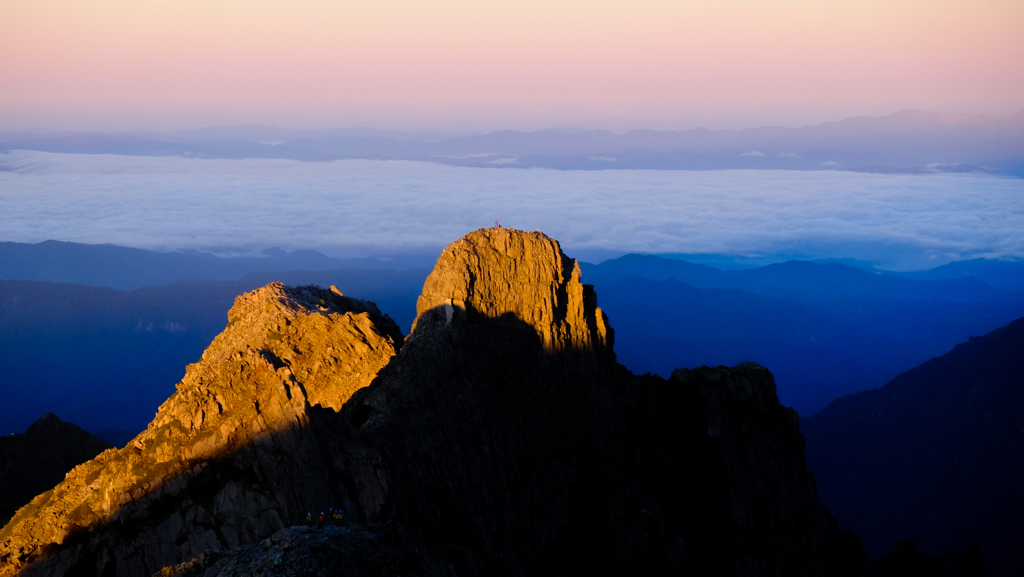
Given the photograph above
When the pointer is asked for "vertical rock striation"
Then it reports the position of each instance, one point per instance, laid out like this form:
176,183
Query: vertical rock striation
497,272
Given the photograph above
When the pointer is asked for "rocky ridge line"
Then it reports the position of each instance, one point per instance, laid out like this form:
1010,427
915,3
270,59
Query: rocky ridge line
245,402
502,439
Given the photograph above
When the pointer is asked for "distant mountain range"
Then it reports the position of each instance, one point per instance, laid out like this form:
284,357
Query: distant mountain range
131,268
908,141
824,330
937,453
105,358
965,281
127,268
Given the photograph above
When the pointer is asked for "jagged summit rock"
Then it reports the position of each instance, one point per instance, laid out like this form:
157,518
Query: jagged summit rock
37,460
498,272
501,438
283,351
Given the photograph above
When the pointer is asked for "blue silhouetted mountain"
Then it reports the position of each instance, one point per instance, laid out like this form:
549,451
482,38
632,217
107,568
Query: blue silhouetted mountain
37,460
806,281
101,357
936,454
130,268
825,330
1004,274
817,351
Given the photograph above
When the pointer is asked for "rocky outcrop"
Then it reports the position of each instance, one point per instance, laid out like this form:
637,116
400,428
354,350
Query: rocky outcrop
503,439
497,272
227,457
39,459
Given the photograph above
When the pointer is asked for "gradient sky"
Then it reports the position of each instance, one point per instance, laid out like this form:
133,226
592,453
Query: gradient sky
483,65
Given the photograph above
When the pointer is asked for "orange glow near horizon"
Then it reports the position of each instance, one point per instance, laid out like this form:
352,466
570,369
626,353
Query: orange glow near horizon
454,64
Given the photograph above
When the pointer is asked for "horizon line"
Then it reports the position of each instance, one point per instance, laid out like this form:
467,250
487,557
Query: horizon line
949,118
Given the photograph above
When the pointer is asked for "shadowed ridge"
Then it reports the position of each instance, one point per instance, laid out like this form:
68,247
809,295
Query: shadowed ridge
37,460
247,401
768,490
511,445
937,453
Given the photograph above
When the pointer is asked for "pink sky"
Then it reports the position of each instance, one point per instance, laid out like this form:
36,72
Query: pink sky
480,65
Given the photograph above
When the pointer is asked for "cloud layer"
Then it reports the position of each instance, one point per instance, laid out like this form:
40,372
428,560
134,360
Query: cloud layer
360,207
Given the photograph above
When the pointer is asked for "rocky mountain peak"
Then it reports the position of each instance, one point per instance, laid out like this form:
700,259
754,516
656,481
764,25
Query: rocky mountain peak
501,439
525,276
295,334
284,351
48,421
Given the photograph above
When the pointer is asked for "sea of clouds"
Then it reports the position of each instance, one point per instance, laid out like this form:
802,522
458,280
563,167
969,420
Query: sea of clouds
355,208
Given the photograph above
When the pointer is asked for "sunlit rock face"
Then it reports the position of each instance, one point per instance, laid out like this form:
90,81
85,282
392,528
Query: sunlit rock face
498,272
502,439
228,457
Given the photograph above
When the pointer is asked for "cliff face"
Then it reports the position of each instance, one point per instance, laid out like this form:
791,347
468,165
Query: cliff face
495,273
768,516
502,439
39,459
